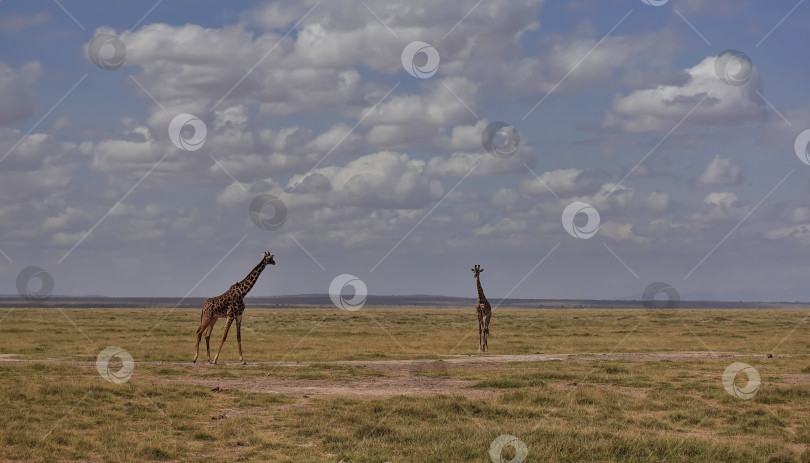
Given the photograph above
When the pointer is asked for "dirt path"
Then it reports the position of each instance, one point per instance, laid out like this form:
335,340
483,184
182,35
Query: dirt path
365,388
485,360
451,360
402,377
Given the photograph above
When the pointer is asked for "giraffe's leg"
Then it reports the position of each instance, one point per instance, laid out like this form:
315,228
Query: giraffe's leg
224,335
486,331
197,348
480,334
200,330
208,337
239,337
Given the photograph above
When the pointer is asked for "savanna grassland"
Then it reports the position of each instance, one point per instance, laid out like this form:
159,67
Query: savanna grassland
407,385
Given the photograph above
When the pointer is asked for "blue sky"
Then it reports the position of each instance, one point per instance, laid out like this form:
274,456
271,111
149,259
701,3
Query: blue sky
383,174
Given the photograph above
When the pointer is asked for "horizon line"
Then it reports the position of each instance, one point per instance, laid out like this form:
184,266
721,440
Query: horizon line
422,296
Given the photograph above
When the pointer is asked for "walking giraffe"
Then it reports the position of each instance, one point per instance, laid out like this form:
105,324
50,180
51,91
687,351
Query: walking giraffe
229,305
484,311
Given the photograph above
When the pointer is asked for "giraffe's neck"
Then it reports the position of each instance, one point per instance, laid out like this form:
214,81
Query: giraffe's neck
481,296
244,286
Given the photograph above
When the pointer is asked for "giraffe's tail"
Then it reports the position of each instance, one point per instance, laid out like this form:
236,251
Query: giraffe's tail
202,313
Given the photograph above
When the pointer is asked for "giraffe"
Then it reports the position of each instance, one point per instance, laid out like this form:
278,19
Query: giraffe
229,305
484,311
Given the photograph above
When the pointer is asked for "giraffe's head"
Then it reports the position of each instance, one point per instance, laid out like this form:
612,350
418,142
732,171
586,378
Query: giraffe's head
268,258
477,271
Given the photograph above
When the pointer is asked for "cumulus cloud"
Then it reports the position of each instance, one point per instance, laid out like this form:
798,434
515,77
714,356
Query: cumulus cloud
385,179
720,206
16,22
800,232
568,63
17,100
663,107
657,201
720,172
458,165
416,119
561,182
621,232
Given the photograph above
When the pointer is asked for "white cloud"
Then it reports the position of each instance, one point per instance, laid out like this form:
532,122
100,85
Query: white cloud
720,172
719,207
657,201
663,107
621,232
386,179
800,233
418,119
800,215
563,182
721,199
15,22
17,100
505,228
565,63
458,165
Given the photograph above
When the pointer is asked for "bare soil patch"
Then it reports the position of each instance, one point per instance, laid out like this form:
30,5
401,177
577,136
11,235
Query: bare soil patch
367,388
404,376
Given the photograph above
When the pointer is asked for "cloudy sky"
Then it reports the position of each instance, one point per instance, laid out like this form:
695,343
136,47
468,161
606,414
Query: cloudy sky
680,159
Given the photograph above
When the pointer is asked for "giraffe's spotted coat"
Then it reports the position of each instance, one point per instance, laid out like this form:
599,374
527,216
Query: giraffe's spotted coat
484,311
230,305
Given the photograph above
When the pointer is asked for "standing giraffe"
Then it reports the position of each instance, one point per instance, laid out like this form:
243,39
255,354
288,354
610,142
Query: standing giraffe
230,305
484,311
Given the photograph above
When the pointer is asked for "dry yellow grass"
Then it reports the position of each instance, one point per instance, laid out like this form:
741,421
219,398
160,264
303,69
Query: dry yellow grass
657,397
